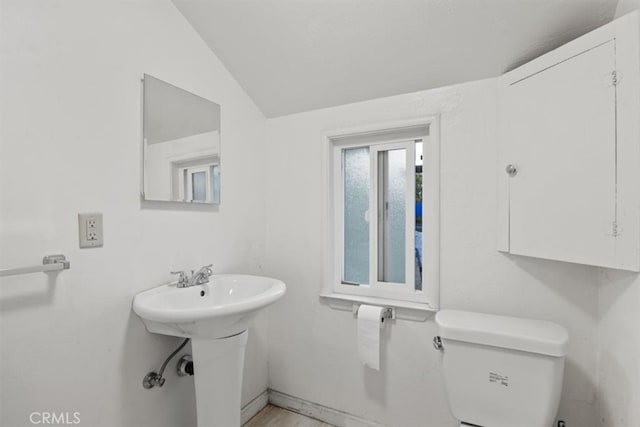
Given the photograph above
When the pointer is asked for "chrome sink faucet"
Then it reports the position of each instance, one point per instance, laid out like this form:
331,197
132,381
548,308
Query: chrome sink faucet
200,277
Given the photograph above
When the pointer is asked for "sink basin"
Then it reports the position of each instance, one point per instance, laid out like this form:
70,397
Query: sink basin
221,308
216,316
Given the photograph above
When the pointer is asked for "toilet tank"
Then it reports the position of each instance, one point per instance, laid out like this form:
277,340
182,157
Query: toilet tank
502,371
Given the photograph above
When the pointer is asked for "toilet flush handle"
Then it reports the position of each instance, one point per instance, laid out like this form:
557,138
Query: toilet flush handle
437,343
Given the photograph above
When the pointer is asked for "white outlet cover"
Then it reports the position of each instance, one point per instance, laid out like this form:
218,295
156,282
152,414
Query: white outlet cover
90,230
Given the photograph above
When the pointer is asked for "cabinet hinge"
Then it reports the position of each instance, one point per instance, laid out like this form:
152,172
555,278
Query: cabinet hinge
615,230
616,77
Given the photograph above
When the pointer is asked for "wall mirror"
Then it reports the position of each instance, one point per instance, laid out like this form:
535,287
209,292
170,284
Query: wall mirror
180,145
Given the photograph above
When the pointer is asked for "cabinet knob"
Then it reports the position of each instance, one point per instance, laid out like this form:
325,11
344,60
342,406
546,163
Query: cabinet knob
511,170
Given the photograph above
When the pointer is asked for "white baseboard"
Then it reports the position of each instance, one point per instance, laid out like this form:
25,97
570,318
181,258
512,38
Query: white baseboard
317,411
255,406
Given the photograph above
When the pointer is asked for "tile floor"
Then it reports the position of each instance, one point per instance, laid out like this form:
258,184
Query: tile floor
272,416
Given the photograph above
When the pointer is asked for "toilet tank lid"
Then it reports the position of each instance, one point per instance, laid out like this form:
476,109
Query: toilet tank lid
534,336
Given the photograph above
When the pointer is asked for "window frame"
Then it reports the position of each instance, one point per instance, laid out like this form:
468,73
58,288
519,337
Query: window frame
380,136
185,182
188,183
376,259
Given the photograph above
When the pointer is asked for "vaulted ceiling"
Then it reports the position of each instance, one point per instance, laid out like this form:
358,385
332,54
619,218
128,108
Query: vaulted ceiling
297,55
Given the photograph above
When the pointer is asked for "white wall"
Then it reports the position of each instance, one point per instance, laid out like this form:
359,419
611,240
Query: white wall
70,142
312,348
626,6
619,346
619,349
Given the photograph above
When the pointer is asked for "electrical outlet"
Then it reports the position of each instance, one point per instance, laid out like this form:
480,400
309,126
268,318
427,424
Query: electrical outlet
90,230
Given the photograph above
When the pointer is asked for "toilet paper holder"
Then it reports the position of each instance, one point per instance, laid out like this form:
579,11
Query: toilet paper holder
387,312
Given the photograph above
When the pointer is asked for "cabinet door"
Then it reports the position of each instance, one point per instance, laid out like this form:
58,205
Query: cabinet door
568,126
561,132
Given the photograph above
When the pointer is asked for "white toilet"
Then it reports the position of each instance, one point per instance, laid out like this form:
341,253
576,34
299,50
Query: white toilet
501,371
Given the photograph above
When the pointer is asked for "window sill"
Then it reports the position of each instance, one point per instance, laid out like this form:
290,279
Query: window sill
406,310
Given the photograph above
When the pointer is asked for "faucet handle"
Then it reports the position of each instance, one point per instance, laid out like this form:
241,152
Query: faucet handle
182,279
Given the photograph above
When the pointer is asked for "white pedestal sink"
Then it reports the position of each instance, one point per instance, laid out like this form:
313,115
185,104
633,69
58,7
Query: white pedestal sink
216,317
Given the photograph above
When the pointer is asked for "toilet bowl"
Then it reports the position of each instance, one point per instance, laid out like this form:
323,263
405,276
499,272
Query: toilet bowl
501,371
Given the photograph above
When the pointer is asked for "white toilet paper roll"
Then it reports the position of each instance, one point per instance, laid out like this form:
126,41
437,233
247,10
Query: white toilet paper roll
369,321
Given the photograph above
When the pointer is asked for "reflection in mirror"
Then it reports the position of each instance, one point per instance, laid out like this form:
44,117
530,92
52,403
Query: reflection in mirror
181,145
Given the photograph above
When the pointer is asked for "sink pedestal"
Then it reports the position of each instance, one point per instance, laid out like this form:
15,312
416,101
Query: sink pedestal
218,366
216,316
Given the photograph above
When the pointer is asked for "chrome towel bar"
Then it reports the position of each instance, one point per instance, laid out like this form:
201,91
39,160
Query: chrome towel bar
49,263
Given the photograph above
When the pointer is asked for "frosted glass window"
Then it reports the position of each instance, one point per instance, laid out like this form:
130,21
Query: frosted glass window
375,232
199,185
215,183
392,176
356,180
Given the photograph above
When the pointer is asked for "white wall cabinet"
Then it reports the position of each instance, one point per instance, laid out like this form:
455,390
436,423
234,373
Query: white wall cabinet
569,151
